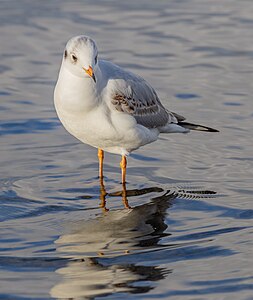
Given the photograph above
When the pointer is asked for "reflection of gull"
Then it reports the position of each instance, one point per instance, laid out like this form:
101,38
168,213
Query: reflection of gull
117,231
87,279
113,233
109,108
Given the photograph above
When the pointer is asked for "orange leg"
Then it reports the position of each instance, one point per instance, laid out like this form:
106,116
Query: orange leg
123,165
101,160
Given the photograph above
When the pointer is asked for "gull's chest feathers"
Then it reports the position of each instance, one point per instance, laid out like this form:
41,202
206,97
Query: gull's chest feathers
74,94
81,110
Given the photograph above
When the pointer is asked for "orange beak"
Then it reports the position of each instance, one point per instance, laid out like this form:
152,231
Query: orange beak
90,73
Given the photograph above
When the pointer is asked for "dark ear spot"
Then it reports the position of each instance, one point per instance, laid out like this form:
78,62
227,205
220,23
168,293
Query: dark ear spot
65,54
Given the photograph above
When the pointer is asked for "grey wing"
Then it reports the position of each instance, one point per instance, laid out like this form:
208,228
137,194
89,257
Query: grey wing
137,98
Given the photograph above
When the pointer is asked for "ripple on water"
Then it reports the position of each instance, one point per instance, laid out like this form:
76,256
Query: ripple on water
26,126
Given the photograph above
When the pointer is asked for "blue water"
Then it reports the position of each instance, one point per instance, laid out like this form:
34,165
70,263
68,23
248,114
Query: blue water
188,233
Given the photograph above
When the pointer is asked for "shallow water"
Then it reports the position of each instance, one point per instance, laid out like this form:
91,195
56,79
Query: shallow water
188,234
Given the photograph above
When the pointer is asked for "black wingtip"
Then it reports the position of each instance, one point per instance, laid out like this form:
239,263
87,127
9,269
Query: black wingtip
197,127
213,130
209,129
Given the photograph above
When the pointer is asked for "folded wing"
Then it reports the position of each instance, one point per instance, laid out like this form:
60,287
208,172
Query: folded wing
139,99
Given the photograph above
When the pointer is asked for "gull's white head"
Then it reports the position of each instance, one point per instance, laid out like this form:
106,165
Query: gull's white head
80,57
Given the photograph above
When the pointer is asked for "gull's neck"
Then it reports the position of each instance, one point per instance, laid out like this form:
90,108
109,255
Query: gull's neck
76,94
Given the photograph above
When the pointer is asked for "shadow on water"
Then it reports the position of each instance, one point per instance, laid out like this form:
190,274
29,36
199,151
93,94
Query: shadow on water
114,252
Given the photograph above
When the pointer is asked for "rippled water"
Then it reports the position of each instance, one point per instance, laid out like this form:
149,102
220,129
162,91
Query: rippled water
188,234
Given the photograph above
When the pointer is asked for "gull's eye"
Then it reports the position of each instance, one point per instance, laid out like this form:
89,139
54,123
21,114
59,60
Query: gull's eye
74,58
96,59
65,54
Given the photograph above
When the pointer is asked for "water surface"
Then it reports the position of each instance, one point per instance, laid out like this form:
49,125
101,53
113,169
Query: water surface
188,234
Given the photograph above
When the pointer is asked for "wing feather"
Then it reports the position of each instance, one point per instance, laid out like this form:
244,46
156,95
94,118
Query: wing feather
140,100
131,94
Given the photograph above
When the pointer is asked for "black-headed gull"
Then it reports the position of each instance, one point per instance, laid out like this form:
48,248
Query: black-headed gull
108,107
